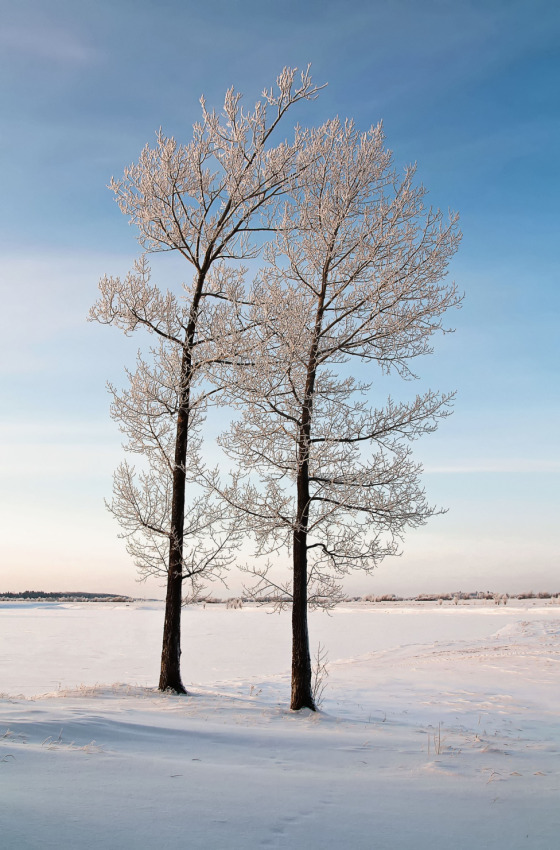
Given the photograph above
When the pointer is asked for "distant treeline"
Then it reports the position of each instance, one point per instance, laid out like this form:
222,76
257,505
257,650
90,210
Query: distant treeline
237,602
436,597
44,596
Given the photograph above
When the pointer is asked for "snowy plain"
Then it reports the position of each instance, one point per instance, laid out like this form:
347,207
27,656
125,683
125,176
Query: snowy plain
439,727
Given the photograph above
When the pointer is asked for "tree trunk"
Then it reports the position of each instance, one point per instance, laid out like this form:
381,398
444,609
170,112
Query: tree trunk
170,676
302,690
302,695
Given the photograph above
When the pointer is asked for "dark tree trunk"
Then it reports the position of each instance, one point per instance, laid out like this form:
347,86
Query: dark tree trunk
170,675
302,689
302,694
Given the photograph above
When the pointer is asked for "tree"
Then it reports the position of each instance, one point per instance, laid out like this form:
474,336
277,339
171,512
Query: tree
146,412
354,279
206,200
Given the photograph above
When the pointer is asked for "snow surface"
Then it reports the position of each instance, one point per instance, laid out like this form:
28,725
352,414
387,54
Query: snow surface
439,729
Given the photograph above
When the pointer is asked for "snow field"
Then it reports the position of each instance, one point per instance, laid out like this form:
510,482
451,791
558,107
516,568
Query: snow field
439,728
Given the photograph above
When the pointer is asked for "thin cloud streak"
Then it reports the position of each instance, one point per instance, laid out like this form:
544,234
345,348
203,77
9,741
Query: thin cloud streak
47,43
514,465
57,461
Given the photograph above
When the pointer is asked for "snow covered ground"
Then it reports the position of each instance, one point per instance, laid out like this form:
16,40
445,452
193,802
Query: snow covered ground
439,728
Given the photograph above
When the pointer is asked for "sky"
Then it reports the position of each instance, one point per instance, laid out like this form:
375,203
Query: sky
467,89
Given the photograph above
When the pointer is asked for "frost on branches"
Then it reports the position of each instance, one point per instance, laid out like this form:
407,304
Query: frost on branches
146,413
354,280
205,199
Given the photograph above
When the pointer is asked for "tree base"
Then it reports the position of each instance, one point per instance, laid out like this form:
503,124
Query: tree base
173,689
304,708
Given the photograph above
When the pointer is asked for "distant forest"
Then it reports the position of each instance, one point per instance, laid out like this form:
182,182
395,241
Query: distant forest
456,597
44,596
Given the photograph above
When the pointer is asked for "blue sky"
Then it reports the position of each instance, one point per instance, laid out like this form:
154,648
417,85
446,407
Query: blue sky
467,89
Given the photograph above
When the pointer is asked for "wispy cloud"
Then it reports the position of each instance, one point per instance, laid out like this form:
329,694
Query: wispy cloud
52,44
502,465
60,289
40,462
20,431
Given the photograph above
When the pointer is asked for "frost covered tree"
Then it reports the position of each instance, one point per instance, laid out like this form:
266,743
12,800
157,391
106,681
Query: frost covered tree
146,412
209,200
354,280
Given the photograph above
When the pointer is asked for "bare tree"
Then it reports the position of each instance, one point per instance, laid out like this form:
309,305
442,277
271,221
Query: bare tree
206,200
146,412
355,278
